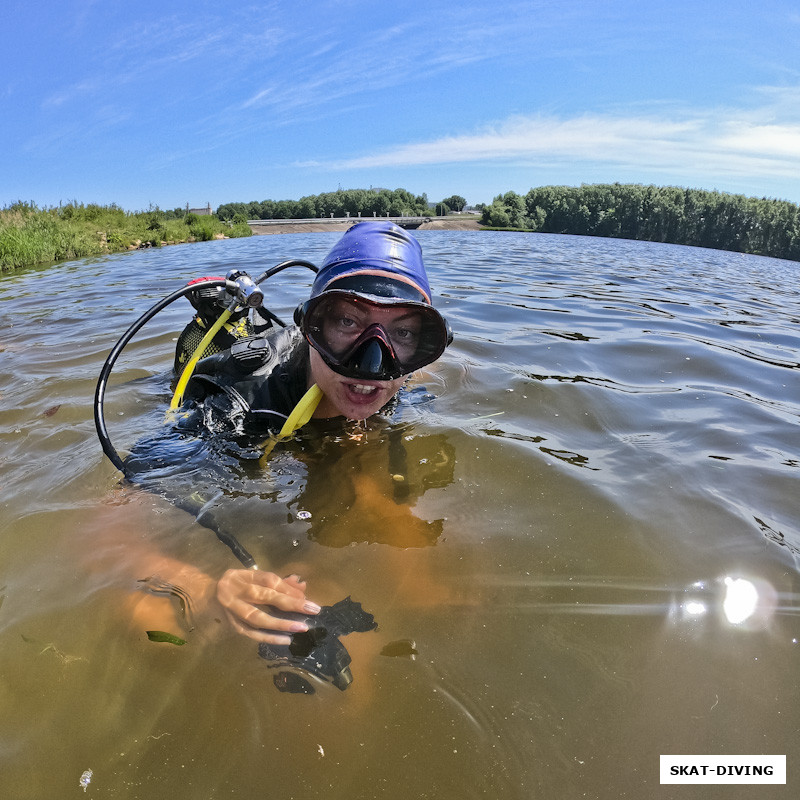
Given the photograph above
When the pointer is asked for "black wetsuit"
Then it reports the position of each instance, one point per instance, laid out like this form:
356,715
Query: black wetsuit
210,459
249,389
233,402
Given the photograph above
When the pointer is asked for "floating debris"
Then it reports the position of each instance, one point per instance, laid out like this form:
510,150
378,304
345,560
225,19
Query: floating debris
163,636
86,779
486,416
51,648
303,515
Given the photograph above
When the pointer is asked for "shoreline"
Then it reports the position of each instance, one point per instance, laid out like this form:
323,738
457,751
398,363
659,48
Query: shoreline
98,245
341,225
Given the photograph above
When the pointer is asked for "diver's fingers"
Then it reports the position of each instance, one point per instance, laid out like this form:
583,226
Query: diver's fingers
265,589
260,588
269,580
280,600
257,618
297,581
242,593
260,596
257,635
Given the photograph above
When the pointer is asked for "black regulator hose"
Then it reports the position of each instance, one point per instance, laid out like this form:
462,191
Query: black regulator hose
292,262
105,373
202,515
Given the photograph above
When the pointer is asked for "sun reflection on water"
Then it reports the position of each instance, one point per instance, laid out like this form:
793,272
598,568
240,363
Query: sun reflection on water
738,601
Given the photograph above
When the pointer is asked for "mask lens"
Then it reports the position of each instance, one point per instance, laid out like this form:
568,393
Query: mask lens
338,324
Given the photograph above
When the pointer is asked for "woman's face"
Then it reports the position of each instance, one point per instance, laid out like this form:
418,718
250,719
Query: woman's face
358,398
353,398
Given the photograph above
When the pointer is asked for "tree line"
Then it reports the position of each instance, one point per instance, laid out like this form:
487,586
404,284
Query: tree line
735,222
760,226
367,202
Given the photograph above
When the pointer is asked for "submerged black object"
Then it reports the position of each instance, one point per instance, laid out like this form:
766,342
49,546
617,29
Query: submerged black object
292,683
318,650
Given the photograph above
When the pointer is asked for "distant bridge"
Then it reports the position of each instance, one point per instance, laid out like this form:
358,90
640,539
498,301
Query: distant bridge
403,222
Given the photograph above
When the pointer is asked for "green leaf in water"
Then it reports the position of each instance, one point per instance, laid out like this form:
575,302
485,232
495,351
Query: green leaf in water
163,636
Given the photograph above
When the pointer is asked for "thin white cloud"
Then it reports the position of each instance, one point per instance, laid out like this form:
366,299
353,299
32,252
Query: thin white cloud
726,143
414,50
152,54
772,141
71,93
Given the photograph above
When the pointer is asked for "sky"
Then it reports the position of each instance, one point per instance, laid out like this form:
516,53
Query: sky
173,103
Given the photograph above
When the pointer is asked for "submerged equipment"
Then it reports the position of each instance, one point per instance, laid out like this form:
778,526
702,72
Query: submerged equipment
245,293
318,650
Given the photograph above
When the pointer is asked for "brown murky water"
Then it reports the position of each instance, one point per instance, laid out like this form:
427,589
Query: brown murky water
613,444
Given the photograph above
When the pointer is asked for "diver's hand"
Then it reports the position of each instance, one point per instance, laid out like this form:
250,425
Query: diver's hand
243,592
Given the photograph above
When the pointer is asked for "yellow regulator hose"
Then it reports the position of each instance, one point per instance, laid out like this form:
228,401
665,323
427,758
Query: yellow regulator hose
177,398
303,411
301,414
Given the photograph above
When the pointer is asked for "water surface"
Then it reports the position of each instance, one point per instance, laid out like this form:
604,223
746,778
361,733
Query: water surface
609,445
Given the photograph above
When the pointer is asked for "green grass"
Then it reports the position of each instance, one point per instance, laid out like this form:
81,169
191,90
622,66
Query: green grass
30,235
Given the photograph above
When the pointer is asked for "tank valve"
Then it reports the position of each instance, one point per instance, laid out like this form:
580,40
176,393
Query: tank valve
244,289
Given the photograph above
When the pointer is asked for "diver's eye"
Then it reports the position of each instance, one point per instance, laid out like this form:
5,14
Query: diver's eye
346,323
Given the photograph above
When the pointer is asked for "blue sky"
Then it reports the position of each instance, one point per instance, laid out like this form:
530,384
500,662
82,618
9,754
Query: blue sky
178,102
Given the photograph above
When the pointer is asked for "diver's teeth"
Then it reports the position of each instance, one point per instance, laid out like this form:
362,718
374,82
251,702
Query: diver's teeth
359,388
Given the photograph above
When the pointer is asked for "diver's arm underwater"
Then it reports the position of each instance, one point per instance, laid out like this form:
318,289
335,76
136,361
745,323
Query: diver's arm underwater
166,464
127,547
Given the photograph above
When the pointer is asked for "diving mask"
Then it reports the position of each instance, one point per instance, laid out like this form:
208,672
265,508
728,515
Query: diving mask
373,338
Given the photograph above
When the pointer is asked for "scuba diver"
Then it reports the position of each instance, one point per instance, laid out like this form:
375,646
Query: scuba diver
367,325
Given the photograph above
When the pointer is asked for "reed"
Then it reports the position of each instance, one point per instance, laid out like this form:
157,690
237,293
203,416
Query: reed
30,235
